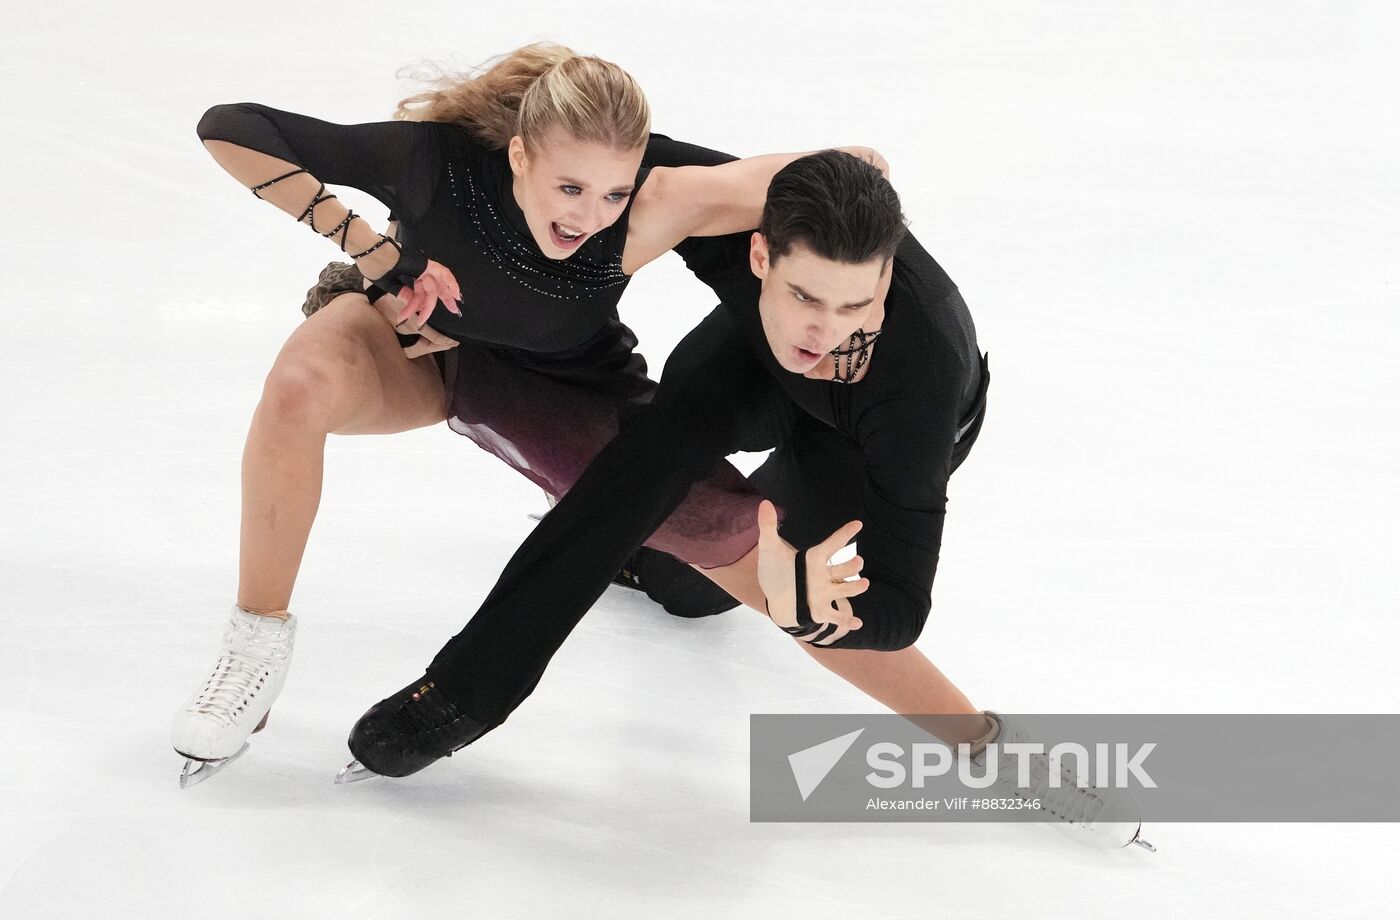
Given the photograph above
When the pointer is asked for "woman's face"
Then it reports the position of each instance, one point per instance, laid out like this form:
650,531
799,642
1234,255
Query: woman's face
570,189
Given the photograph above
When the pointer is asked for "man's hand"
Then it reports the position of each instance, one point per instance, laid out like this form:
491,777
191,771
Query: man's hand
871,156
827,587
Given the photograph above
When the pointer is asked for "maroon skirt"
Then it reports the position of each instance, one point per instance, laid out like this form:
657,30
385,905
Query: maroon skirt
548,415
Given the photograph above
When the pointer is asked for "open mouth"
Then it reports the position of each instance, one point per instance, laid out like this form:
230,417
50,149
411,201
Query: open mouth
564,237
805,355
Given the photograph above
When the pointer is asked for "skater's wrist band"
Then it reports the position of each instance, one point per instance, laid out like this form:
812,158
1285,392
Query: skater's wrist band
410,266
799,583
805,624
374,292
791,630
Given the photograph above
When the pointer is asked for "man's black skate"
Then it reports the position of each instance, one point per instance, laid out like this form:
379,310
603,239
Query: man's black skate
679,589
628,576
406,732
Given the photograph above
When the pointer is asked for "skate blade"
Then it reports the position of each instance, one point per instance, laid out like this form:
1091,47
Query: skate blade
540,517
1138,841
354,772
197,771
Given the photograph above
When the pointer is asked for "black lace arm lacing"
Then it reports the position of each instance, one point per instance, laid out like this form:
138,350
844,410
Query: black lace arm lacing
308,216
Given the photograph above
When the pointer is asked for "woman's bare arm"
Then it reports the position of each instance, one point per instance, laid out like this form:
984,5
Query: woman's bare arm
677,202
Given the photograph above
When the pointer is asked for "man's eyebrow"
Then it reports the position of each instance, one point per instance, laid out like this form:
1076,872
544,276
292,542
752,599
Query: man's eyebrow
812,297
621,188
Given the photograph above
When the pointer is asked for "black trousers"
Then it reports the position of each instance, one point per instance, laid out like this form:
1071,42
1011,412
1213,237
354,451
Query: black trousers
715,399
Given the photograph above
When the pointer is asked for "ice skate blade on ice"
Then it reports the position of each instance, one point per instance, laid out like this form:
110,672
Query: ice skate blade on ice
197,771
540,517
1138,841
353,772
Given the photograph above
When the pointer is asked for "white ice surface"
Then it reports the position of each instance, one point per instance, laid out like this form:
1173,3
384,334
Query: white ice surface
1177,224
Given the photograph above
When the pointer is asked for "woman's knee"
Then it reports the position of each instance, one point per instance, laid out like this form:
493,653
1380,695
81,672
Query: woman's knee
322,375
304,393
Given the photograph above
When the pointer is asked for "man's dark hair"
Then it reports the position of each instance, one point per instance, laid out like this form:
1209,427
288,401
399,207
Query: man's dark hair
835,204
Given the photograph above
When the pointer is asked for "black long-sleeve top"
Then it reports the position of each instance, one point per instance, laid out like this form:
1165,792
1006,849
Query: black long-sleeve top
453,200
920,390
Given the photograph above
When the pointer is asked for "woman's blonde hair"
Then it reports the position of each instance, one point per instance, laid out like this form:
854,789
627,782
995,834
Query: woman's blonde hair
534,89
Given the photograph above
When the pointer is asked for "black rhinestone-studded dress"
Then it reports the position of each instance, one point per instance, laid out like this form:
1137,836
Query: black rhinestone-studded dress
546,367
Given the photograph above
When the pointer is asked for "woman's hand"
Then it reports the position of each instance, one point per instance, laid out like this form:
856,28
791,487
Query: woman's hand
434,284
429,339
871,156
827,587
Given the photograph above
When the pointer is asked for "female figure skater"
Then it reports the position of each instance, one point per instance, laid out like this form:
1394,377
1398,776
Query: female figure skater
788,361
525,186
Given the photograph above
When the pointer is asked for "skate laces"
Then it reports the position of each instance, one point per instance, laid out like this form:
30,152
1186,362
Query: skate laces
424,712
248,661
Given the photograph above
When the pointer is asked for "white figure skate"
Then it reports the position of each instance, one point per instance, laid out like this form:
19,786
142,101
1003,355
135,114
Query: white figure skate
211,730
1077,810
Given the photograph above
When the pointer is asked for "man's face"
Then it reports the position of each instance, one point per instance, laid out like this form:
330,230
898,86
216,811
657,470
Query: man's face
811,305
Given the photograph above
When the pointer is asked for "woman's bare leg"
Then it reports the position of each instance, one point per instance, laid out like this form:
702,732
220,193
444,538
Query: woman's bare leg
908,683
905,681
341,372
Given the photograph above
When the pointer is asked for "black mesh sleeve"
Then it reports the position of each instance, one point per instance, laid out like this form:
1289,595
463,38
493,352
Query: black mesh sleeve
395,161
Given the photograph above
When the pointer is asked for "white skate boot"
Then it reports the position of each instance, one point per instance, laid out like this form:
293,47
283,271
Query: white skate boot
211,730
1076,811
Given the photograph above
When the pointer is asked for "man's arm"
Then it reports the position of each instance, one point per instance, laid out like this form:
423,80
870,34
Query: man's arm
908,450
